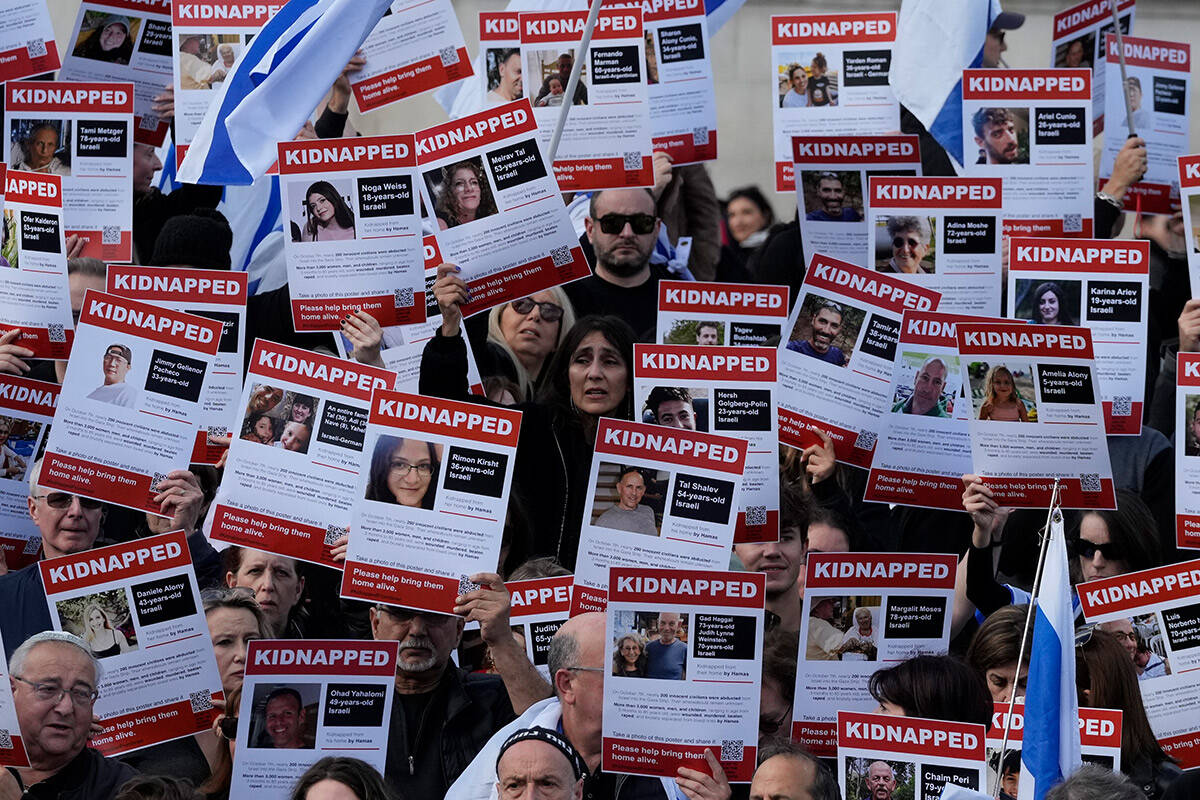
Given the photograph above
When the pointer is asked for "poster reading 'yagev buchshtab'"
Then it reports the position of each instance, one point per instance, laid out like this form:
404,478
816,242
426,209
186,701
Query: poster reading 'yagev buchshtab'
734,314
829,76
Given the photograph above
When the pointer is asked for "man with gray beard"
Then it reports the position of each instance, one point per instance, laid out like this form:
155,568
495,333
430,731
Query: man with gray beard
441,715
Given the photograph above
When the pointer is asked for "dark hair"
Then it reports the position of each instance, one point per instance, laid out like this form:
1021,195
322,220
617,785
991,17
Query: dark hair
381,465
541,567
556,393
755,196
780,653
308,401
357,776
618,660
157,787
662,394
989,116
1064,315
935,687
1131,529
595,198
1104,669
819,61
997,643
92,49
285,691
823,515
824,785
708,323
342,214
251,421
794,510
447,207
231,561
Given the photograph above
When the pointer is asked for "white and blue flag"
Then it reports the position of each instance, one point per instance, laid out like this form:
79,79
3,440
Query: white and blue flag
935,41
274,87
1050,741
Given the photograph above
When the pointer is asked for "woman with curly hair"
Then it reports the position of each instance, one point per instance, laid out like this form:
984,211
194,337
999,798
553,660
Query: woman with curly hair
465,195
629,659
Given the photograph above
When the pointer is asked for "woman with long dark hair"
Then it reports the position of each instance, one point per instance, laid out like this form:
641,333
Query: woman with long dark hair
1050,305
465,195
328,218
404,472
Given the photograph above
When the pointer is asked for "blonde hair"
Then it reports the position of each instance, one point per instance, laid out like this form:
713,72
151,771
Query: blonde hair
87,621
989,388
496,337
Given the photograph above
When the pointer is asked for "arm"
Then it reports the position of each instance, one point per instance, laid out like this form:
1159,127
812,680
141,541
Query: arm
444,360
981,587
489,606
1022,414
703,214
12,355
332,123
366,336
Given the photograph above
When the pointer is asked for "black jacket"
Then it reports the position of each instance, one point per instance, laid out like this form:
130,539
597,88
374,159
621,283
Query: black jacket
89,776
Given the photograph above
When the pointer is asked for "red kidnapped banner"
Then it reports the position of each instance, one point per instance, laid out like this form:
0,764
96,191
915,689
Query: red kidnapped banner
396,151
818,29
104,98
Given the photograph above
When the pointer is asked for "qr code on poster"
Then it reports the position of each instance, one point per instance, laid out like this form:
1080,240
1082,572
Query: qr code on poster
156,480
865,440
5,740
32,545
110,234
56,333
149,122
403,297
1089,482
335,532
1072,223
449,55
201,701
732,749
215,431
1122,406
633,161
465,585
561,256
36,48
756,515
700,135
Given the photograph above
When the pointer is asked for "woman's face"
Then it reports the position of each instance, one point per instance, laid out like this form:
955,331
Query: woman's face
112,37
528,334
1000,682
631,651
262,429
466,191
96,620
231,629
1048,307
908,248
321,207
598,375
1093,532
301,412
405,481
1002,386
745,218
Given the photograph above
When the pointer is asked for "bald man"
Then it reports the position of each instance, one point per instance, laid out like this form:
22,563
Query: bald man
666,656
540,763
881,781
792,775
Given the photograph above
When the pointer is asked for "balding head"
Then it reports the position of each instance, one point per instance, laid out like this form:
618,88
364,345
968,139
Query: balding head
576,662
540,766
784,777
881,780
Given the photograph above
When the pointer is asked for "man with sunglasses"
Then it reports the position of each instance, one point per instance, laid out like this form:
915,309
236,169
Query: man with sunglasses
53,678
622,227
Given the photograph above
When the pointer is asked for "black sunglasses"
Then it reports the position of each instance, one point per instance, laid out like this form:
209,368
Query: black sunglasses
1088,550
613,224
63,500
551,312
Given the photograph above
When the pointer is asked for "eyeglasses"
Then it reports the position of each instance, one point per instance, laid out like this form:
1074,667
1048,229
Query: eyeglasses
404,468
900,242
462,186
586,669
114,357
404,615
1125,636
1088,550
63,500
769,726
551,312
613,224
53,693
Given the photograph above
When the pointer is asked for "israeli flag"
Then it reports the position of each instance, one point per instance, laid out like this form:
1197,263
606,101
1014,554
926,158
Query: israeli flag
1050,741
275,86
935,42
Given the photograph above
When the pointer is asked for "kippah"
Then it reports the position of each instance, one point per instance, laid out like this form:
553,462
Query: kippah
551,738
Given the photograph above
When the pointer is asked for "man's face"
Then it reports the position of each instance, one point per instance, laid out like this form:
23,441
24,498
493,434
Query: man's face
116,367
68,529
630,489
54,731
623,253
565,62
510,76
706,334
832,195
780,561
534,769
426,640
1135,95
826,325
993,47
668,627
783,777
880,781
42,146
1196,426
999,142
928,387
677,414
285,722
1123,629
145,164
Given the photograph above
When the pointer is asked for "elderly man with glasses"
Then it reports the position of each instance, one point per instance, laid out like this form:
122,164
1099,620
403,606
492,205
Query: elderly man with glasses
54,677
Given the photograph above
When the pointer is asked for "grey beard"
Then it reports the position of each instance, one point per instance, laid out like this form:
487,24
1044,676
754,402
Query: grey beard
422,642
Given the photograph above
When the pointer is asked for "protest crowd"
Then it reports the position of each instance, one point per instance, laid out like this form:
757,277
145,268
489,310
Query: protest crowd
511,469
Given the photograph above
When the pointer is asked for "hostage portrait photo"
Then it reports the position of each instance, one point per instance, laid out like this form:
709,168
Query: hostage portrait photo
650,644
461,192
844,628
40,145
106,37
321,211
102,620
404,471
205,59
284,716
906,245
629,498
826,330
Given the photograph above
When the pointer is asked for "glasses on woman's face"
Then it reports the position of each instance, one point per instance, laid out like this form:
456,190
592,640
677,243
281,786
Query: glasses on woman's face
901,242
463,184
62,500
403,469
551,312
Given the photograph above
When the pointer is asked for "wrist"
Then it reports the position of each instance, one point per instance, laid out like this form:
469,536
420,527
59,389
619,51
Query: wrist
1113,193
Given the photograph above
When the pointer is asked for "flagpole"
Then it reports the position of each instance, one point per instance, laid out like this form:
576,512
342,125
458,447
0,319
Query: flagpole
573,81
1029,616
1112,4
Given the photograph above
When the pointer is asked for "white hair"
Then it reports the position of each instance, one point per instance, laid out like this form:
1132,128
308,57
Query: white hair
16,664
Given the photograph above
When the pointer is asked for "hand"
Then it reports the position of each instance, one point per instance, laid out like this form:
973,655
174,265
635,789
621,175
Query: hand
3,562
818,459
699,786
1189,328
662,172
489,606
339,93
263,399
337,550
179,496
308,132
75,245
1128,168
988,515
219,705
164,104
11,355
366,336
9,788
451,292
